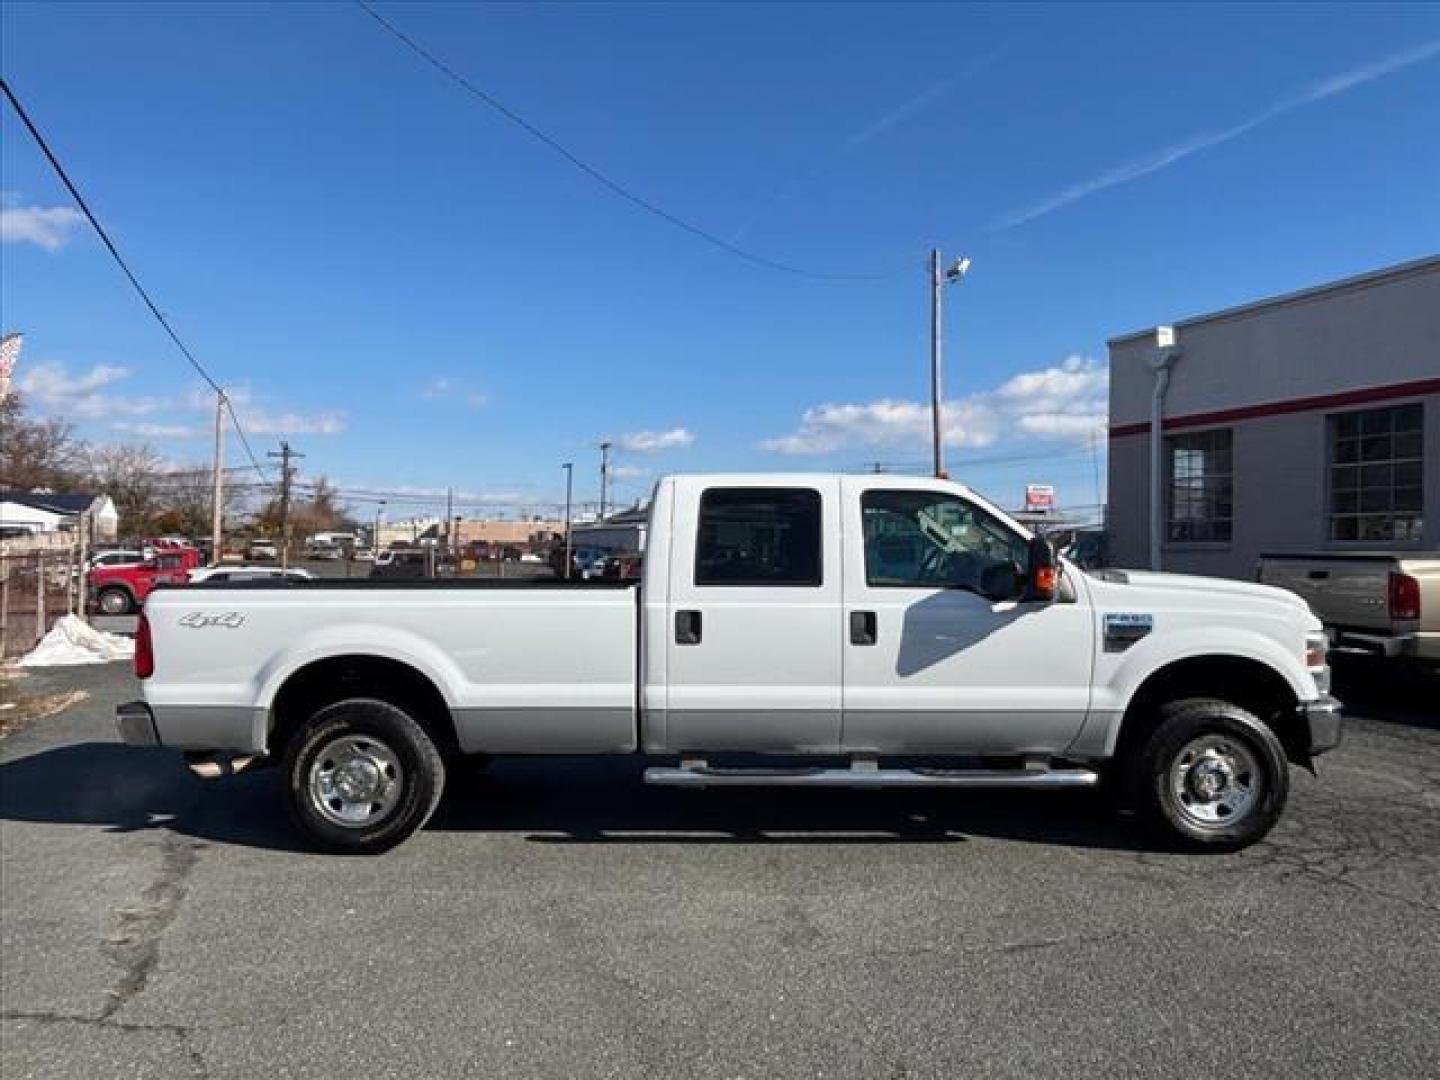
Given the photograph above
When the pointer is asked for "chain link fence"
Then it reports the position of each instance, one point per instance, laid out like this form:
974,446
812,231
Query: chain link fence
36,588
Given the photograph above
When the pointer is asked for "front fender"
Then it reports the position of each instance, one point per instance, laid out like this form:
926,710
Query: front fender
1148,655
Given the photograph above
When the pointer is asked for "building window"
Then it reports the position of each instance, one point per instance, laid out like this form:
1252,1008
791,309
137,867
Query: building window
1201,485
758,536
1375,468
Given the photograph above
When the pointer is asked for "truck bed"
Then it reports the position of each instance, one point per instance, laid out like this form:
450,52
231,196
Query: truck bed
523,666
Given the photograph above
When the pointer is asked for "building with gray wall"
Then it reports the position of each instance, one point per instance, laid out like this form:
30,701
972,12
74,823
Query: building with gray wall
1304,422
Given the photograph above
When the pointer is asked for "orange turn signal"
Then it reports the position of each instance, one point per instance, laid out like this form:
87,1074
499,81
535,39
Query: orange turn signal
1045,581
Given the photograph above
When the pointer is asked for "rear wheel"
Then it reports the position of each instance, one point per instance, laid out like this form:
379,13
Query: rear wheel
1211,777
361,776
114,601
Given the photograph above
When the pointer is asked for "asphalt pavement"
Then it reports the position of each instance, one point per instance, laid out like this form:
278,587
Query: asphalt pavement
560,920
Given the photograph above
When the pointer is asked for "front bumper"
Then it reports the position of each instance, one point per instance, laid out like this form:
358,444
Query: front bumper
1323,723
136,724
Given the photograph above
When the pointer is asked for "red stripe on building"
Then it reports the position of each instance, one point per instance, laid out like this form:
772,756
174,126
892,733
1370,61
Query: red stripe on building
1281,408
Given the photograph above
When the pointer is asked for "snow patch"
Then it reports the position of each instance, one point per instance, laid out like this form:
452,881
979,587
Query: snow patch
71,641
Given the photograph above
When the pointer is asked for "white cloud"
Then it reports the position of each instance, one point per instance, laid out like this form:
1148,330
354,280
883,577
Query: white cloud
159,431
1154,162
49,227
1067,401
651,442
628,472
257,421
83,395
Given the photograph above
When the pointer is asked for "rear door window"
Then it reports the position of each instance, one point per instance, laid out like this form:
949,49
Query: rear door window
759,537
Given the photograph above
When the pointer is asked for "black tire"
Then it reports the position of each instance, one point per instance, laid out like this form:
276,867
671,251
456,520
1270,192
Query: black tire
418,773
1237,751
115,601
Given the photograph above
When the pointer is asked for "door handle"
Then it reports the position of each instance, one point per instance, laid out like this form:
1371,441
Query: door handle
687,628
1318,575
862,628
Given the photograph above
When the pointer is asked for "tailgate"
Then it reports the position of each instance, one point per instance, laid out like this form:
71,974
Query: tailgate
1350,592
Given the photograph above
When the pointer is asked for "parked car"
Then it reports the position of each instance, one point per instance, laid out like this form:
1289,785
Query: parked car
116,557
585,562
1088,549
215,574
1379,603
624,566
401,563
767,623
258,550
122,588
322,551
362,554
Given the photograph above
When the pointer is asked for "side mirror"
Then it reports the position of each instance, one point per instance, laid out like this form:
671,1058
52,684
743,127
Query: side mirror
1043,578
1002,581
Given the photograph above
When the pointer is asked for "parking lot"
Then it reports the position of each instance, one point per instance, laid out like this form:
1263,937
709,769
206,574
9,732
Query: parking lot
559,919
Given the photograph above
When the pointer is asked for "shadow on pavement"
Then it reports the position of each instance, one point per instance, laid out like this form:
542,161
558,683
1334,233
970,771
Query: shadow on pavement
551,801
1389,690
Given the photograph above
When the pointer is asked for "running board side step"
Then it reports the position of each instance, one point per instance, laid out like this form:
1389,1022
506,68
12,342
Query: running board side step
705,776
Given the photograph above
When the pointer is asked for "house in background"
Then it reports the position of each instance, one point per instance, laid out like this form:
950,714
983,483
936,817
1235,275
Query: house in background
46,512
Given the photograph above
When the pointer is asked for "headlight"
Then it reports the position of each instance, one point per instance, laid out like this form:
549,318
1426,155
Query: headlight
1316,645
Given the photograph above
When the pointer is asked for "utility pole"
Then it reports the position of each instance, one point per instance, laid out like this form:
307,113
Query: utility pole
375,540
217,498
287,473
449,519
938,280
604,477
569,468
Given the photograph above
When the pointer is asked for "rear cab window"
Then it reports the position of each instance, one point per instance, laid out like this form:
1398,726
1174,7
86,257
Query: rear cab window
751,536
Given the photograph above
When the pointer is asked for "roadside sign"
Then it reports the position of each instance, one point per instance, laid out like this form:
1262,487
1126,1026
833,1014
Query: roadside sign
1039,497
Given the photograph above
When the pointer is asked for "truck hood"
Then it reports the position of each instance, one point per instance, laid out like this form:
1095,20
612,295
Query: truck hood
1235,595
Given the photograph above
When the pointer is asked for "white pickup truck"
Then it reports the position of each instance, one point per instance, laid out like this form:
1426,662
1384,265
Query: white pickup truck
799,630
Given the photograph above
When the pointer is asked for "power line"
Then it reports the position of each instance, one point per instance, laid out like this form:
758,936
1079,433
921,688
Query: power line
590,170
124,266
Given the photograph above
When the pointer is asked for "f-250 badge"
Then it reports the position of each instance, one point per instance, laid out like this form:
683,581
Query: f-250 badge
198,620
1124,628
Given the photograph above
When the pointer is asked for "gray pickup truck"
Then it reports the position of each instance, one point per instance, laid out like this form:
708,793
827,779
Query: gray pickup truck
1375,603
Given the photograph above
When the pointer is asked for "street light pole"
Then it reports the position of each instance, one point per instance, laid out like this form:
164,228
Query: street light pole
938,281
936,422
569,468
375,540
604,477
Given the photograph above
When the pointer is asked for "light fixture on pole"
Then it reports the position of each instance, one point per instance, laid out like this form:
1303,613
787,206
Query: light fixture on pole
938,280
569,468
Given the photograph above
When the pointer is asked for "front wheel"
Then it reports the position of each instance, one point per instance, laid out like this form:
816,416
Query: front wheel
114,601
1211,777
361,776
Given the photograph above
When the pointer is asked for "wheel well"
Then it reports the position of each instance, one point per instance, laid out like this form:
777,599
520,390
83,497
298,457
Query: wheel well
338,677
1251,684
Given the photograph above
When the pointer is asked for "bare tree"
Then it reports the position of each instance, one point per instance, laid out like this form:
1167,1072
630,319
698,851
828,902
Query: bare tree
37,453
131,476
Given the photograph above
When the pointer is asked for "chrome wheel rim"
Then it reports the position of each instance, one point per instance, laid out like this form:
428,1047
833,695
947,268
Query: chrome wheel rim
113,603
355,781
1216,781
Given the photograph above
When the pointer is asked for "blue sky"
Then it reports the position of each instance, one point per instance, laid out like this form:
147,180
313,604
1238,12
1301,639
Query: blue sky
418,294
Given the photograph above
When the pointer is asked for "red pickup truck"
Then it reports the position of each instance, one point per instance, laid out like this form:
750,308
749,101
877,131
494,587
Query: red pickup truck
120,590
